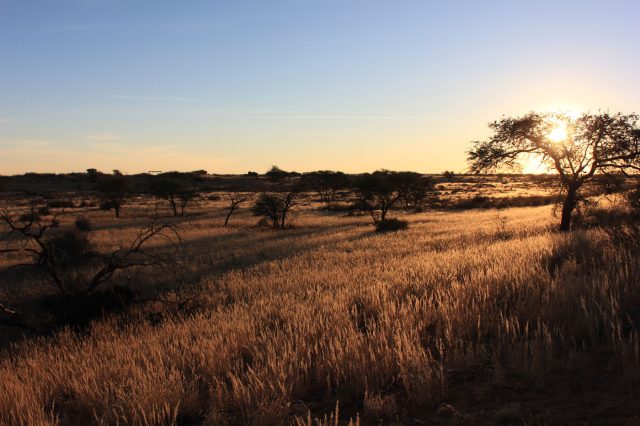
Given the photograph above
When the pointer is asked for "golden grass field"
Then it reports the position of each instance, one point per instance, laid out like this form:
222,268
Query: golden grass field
475,317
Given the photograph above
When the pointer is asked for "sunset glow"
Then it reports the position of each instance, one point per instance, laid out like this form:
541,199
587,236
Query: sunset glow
237,86
559,133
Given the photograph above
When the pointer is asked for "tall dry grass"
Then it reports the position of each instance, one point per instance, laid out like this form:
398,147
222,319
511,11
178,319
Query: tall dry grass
466,317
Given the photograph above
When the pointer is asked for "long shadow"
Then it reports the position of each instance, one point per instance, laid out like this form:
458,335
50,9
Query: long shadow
263,246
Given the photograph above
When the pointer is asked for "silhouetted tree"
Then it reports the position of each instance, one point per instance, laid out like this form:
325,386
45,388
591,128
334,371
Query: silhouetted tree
378,192
252,174
68,260
114,191
276,174
325,183
176,191
594,143
413,187
275,206
235,199
93,175
448,175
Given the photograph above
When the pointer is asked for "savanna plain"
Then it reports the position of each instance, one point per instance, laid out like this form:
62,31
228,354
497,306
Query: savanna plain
472,315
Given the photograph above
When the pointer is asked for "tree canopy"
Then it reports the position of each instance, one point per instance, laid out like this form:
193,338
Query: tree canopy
576,148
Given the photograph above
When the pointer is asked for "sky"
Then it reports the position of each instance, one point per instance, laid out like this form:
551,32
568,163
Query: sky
352,85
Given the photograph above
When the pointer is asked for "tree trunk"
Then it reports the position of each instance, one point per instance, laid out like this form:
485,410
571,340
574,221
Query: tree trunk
567,208
174,207
226,219
383,212
117,210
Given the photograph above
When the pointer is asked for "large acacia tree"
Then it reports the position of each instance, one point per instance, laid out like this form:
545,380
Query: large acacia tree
114,191
576,148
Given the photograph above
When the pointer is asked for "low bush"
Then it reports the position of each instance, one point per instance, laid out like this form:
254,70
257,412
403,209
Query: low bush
391,225
32,216
83,224
61,204
340,207
79,309
106,205
71,248
86,204
44,211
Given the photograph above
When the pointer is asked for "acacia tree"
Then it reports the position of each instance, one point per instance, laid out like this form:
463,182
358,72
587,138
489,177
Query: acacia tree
177,192
276,174
376,191
235,199
576,148
114,192
275,206
413,187
326,183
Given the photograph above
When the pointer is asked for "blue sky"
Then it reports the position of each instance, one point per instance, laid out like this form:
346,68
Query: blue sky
355,85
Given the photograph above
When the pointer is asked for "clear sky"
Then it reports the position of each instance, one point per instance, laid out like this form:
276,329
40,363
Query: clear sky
238,85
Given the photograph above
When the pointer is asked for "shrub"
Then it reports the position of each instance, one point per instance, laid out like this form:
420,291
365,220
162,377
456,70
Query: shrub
29,217
391,225
83,224
71,248
44,211
61,204
624,222
86,204
79,309
341,207
106,205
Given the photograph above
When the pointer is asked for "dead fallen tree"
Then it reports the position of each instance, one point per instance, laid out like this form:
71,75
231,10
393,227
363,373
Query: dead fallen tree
82,277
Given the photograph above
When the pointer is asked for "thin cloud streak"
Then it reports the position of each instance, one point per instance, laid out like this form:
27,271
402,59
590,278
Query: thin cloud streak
149,98
268,116
355,117
101,137
113,148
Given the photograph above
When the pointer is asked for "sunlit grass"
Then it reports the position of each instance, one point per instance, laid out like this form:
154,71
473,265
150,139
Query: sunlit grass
392,326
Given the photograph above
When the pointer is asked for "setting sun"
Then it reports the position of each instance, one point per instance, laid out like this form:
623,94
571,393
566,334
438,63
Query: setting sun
559,133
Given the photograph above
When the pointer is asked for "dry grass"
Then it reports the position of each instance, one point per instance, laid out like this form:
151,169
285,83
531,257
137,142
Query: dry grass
473,317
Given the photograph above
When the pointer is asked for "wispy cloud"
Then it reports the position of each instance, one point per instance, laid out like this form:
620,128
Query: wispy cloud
319,116
253,113
71,28
101,137
353,117
149,98
121,149
5,120
25,146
